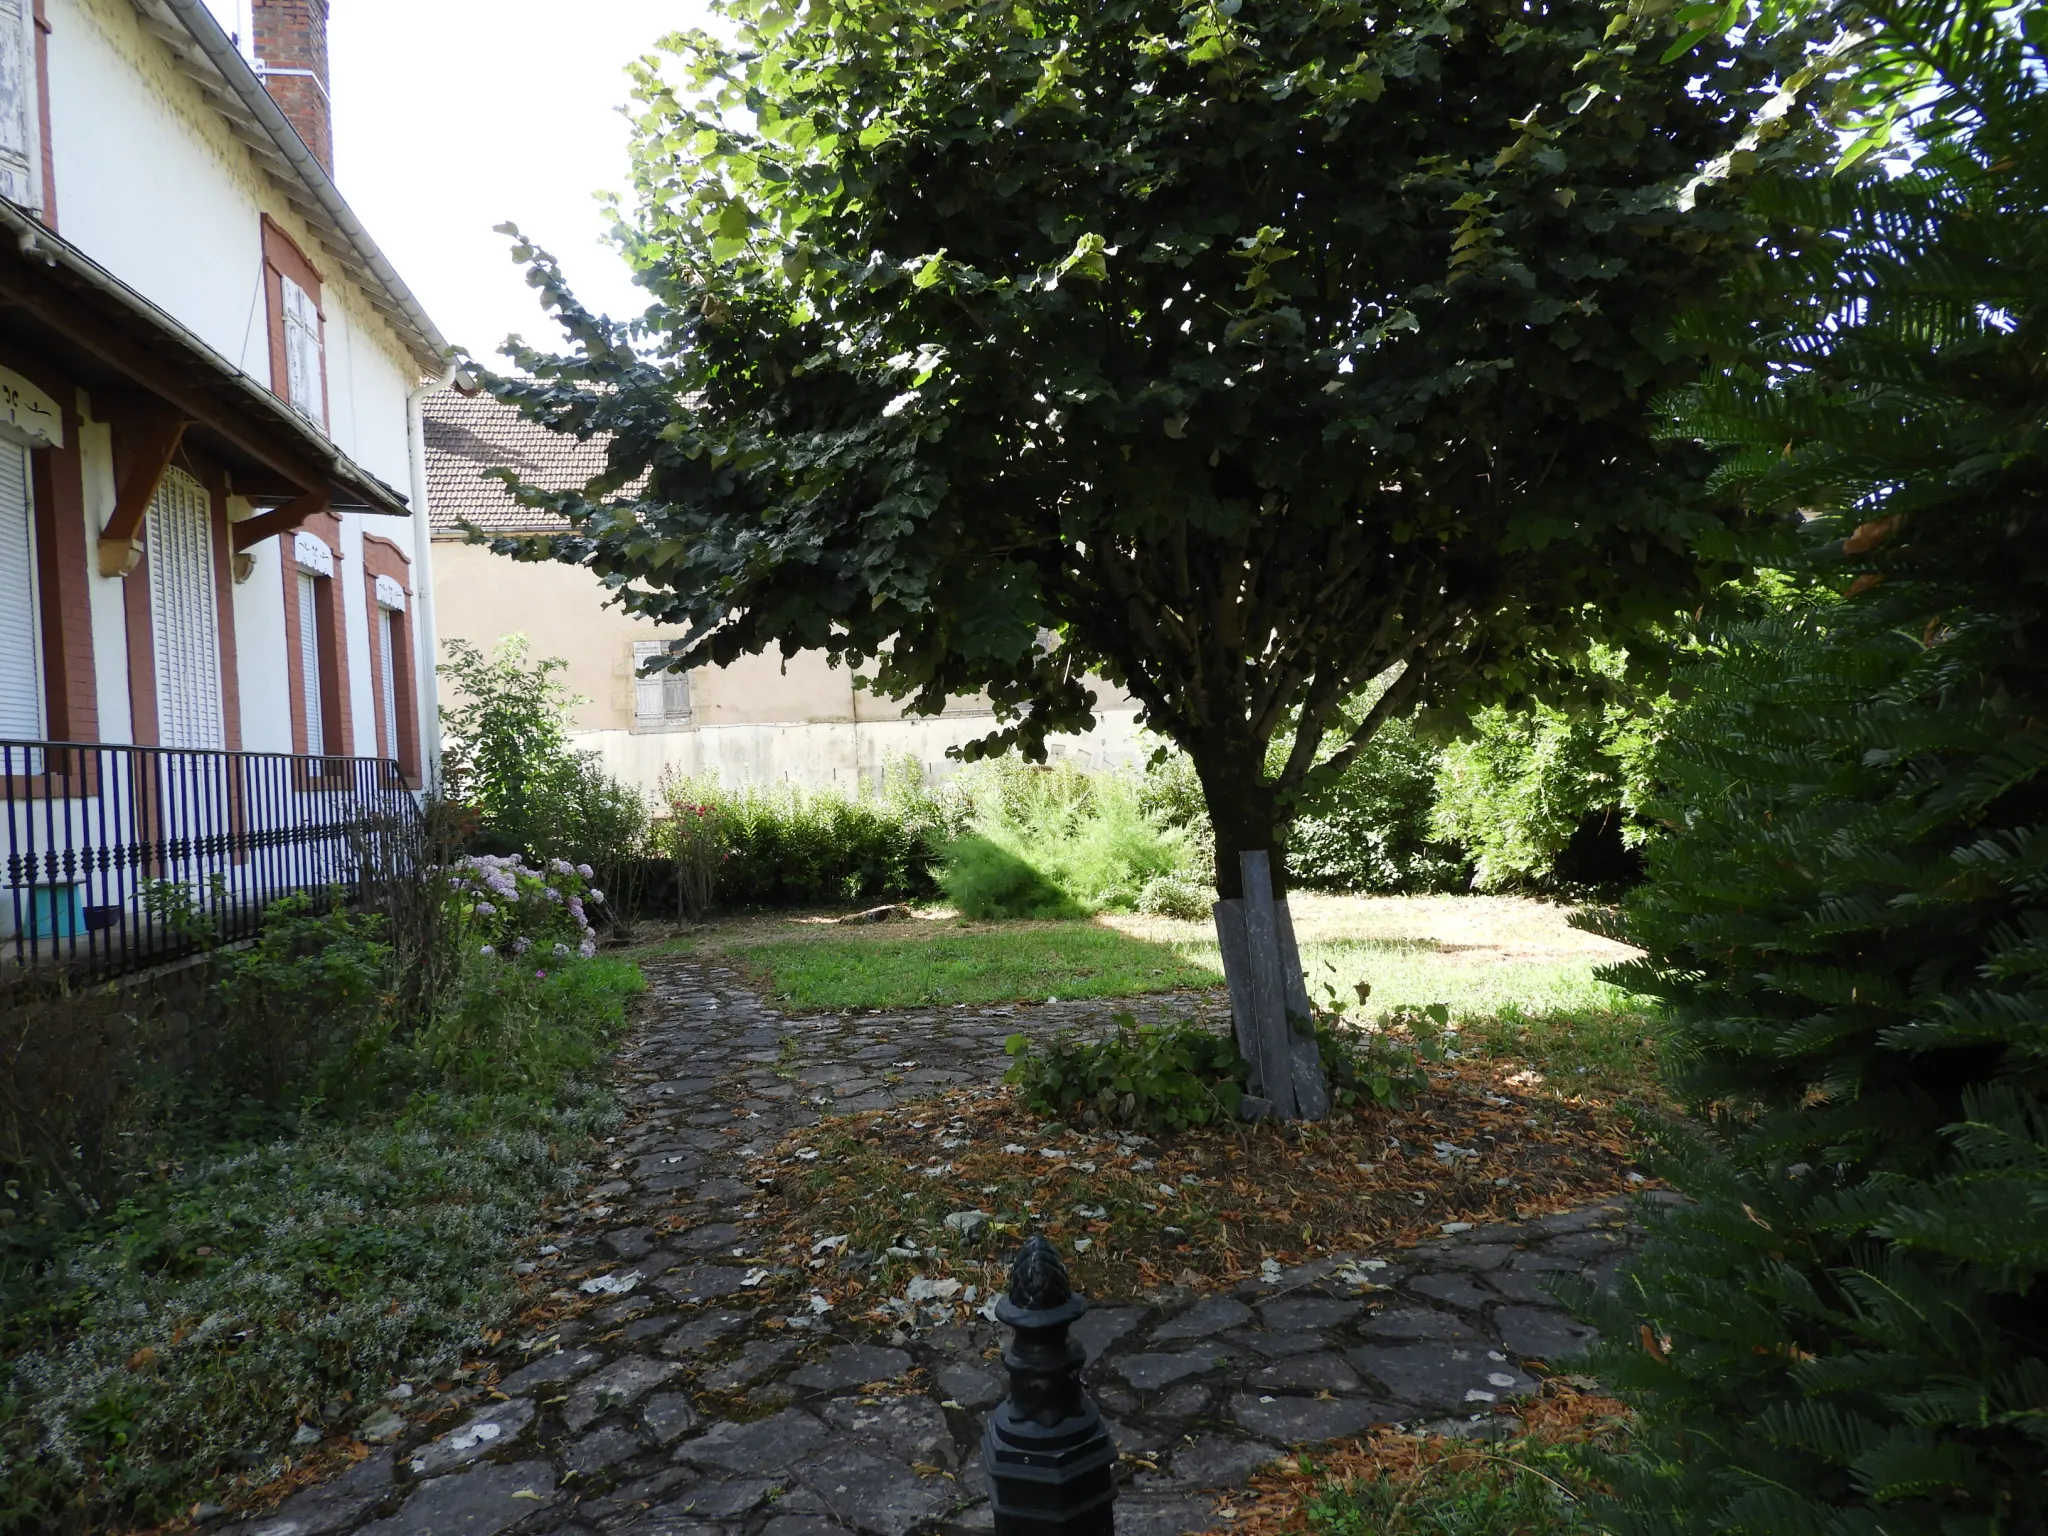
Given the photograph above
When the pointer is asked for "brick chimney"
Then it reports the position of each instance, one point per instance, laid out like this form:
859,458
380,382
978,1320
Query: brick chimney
291,56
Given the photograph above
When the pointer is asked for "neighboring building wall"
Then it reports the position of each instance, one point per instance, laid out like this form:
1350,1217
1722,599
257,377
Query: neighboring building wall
758,721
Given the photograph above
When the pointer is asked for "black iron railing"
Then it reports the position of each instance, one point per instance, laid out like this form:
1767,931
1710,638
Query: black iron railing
119,858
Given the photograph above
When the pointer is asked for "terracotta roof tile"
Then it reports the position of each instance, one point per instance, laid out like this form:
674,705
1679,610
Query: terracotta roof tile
467,435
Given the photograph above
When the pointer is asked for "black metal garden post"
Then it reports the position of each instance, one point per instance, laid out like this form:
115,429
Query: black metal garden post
1050,1462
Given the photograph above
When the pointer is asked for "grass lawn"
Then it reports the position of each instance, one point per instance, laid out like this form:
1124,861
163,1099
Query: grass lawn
1517,978
989,963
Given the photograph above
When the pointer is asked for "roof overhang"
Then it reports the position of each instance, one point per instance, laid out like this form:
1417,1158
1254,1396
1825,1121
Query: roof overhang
61,307
208,57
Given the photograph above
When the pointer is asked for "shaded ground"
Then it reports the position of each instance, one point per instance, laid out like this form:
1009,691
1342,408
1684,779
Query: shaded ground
678,1375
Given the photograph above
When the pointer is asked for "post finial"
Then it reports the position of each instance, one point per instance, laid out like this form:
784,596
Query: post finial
1038,1279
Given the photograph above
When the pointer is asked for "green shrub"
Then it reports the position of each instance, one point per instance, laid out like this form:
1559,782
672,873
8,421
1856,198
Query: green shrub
1056,841
1382,1063
1155,1077
1371,830
1175,896
1846,1326
795,847
509,759
1526,787
302,1010
987,880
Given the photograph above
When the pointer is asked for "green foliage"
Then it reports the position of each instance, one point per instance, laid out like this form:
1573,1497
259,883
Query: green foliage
334,967
788,846
1843,1329
1057,842
1524,1488
1371,829
291,1282
296,1198
1154,1077
1236,357
1518,789
509,758
998,964
1382,1063
984,879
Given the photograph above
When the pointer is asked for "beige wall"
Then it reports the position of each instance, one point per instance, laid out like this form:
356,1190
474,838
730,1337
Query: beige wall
759,721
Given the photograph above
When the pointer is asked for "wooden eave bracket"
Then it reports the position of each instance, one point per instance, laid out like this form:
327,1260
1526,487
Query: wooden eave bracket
120,546
284,519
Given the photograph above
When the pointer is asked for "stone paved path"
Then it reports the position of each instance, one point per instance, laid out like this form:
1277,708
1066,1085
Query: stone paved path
605,1424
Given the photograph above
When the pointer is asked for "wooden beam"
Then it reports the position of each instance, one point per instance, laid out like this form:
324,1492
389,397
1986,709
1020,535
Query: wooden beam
155,447
284,519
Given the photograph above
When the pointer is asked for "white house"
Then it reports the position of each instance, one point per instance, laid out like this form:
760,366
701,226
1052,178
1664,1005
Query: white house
216,622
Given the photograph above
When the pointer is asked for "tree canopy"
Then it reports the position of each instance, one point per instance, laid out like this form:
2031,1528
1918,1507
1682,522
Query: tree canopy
1237,354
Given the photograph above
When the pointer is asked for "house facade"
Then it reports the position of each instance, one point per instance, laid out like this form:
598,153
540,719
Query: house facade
216,617
760,721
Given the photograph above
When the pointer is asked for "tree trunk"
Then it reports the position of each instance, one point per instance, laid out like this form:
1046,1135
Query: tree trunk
1261,961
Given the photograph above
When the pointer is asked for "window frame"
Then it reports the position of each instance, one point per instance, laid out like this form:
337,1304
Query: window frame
386,563
308,551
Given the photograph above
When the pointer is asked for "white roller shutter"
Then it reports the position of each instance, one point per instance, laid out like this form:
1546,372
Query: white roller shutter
183,615
387,649
21,648
309,662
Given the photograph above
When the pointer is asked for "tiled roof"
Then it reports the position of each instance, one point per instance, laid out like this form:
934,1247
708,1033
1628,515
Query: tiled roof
467,435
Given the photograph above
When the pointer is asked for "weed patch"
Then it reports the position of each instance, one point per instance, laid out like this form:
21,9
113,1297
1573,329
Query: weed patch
1205,1207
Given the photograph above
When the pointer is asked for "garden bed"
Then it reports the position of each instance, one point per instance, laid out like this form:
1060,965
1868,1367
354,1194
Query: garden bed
1203,1208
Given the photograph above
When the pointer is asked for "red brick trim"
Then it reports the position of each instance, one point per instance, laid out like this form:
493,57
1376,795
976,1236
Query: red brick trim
381,557
49,215
282,258
332,622
224,604
141,655
63,564
64,556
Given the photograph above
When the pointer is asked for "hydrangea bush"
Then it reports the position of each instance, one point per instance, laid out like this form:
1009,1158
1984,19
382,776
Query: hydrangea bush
513,911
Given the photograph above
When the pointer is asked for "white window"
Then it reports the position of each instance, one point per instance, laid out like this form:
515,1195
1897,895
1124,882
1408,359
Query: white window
21,127
662,700
387,663
309,662
305,377
21,681
183,615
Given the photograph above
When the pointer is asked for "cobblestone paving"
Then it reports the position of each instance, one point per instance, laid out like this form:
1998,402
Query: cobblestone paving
606,1424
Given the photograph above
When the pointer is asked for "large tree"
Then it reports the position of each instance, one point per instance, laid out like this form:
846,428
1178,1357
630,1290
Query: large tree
1237,354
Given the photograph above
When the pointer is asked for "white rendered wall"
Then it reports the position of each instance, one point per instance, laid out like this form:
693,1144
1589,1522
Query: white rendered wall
152,185
842,754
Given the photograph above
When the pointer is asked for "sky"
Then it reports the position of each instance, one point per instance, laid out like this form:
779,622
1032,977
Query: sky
454,116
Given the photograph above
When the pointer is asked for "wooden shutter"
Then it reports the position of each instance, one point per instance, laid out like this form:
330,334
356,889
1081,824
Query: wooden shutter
306,378
21,680
21,151
387,652
660,700
182,613
309,662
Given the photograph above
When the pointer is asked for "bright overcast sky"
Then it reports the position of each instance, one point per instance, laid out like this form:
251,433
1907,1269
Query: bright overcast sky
453,116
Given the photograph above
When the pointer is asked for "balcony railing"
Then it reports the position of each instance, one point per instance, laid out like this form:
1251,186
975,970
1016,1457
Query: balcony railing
116,859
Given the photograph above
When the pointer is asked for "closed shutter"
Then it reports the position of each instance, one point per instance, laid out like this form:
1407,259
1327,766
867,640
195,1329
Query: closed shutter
387,653
21,150
309,662
21,681
186,622
660,700
304,377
